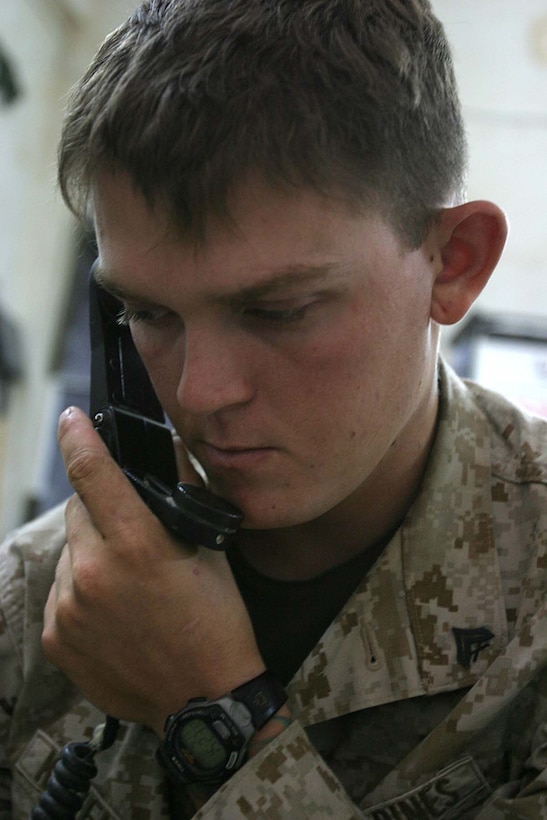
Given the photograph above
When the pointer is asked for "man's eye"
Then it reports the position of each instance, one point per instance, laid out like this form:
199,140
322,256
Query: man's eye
147,316
276,315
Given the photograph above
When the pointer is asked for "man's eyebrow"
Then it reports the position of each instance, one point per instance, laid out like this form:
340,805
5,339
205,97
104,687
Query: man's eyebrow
300,274
109,284
100,276
297,275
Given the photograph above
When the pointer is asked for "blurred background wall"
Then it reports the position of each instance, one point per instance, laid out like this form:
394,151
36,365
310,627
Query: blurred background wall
500,49
47,44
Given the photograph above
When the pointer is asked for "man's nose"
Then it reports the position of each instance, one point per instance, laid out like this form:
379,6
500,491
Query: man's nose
216,372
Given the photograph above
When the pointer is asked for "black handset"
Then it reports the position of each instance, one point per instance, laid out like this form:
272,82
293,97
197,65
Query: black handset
127,413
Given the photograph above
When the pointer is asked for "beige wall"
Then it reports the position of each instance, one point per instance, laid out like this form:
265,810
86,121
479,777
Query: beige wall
500,49
501,57
49,43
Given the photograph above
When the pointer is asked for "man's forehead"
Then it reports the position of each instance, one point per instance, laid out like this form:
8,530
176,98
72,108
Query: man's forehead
253,197
274,241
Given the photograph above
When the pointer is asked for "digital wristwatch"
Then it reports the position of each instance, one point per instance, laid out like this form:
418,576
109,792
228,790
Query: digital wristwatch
207,741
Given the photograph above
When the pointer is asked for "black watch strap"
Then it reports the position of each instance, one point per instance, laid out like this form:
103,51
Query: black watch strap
263,696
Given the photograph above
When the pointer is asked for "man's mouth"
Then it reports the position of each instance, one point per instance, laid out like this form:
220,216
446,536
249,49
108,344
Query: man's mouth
233,456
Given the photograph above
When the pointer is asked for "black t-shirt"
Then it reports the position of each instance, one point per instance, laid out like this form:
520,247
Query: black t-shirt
289,617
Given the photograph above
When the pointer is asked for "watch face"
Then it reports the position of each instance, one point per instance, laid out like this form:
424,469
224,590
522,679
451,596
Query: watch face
206,741
203,744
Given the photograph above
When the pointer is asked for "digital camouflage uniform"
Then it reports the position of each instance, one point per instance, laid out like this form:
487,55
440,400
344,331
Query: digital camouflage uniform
426,697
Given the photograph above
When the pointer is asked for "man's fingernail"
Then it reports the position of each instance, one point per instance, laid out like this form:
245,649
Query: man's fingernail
66,414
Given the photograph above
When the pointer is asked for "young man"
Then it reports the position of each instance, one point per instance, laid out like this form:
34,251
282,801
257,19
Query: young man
277,194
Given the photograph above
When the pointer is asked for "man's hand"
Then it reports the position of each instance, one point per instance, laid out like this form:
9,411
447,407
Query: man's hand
139,621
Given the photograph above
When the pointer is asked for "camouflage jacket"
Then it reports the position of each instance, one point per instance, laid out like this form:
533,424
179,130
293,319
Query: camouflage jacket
425,698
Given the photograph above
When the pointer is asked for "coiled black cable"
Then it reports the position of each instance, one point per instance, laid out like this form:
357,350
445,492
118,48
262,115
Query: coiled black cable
68,784
71,778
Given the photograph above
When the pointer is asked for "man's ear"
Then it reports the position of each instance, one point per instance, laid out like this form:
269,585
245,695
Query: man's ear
470,240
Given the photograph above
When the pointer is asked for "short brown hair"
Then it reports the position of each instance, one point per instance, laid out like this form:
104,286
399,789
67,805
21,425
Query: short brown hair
349,97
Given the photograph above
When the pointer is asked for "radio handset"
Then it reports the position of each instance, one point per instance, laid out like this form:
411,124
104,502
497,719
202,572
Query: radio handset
127,413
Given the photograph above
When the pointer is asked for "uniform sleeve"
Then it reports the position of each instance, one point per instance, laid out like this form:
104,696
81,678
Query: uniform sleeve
27,565
530,807
11,675
526,797
287,779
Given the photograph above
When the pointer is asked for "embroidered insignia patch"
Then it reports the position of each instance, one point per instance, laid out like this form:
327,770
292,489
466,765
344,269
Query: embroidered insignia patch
469,642
459,787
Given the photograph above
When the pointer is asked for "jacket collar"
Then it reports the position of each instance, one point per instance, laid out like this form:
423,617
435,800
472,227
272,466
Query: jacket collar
395,637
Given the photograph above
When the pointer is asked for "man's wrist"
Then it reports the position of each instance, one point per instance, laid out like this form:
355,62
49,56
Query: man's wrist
272,729
208,740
